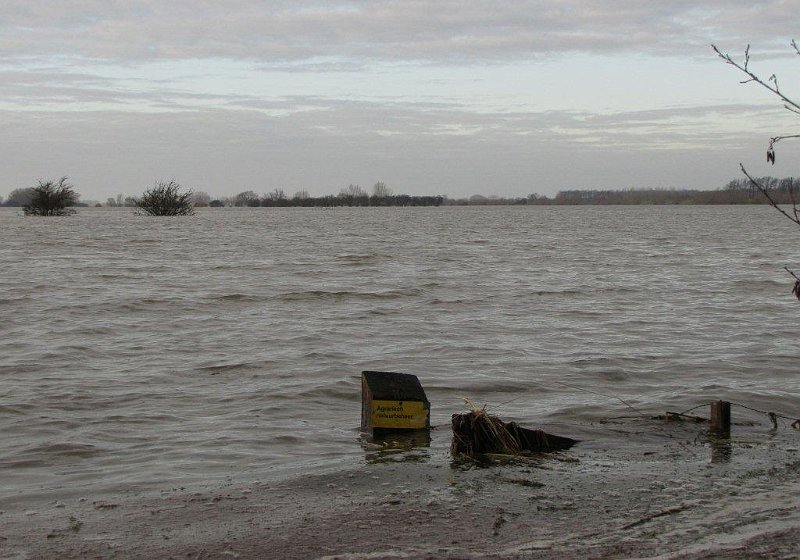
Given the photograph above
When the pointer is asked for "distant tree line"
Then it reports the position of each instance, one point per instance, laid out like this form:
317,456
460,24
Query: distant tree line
352,195
493,200
737,191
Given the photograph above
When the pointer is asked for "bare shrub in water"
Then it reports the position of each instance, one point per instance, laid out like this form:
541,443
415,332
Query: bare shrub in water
166,199
51,198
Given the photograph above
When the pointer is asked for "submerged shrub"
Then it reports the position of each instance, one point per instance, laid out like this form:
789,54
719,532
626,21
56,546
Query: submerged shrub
51,198
166,199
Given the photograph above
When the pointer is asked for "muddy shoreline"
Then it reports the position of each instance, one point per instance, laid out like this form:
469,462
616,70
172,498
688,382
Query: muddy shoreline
631,489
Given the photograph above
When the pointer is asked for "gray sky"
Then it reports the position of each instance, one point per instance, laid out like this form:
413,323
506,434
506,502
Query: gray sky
431,97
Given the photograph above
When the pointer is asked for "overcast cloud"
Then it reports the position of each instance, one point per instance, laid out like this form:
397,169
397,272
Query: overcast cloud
432,97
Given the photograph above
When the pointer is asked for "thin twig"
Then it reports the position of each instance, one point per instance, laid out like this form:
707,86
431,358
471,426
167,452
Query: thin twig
763,190
775,139
790,189
662,513
693,408
688,416
763,411
629,405
754,77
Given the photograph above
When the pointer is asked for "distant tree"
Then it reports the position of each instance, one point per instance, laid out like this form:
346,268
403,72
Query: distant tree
246,198
354,195
201,199
20,197
1,200
790,104
788,185
129,201
380,190
735,185
302,194
166,199
352,191
111,202
277,194
275,198
51,198
216,204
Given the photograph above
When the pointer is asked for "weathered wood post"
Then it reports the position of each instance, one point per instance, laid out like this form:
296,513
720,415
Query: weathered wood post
720,418
392,402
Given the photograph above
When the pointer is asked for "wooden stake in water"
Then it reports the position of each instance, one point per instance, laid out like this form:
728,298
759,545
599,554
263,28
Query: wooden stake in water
721,418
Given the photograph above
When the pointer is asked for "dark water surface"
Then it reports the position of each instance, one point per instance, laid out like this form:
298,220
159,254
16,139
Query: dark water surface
139,352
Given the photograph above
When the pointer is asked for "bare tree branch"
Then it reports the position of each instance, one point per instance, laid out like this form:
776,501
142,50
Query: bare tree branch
765,191
772,85
794,218
754,77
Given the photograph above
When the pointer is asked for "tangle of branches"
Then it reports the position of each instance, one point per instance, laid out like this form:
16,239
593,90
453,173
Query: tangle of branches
166,199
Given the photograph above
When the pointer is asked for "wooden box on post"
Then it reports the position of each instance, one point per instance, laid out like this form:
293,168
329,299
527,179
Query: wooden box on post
392,402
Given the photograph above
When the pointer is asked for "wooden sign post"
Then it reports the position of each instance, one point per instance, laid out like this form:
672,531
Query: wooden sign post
393,402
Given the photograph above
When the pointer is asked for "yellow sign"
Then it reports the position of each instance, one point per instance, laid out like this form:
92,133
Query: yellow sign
410,415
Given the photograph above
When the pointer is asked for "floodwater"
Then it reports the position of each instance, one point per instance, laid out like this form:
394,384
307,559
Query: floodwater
139,352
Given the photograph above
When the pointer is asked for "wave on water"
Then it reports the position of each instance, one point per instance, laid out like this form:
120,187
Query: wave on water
341,295
589,291
620,361
761,285
245,298
355,259
372,313
469,389
79,450
12,409
236,367
558,293
325,355
342,389
146,304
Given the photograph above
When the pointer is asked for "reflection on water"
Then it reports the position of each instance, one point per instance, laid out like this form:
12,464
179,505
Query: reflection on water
721,448
402,446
